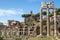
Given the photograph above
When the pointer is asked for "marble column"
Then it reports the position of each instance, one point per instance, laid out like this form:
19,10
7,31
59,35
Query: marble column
41,26
23,30
48,22
28,31
2,32
55,29
17,33
34,31
7,32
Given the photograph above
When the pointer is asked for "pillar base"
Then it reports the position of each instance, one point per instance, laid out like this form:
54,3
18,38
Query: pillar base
55,35
48,35
40,34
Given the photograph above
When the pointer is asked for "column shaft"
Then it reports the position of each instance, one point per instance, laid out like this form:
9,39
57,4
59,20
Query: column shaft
48,21
28,31
35,31
41,26
23,30
55,23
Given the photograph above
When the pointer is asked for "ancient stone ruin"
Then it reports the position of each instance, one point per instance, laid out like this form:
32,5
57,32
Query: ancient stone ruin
17,29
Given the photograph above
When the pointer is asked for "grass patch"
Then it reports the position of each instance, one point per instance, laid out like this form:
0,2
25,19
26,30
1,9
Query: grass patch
40,38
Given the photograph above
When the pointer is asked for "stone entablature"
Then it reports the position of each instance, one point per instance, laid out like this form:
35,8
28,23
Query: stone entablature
49,4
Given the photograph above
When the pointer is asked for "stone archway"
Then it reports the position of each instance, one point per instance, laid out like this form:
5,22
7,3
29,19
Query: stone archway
0,33
26,31
58,29
37,30
21,31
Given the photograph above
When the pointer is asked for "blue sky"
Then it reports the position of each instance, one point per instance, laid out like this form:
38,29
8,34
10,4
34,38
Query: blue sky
13,9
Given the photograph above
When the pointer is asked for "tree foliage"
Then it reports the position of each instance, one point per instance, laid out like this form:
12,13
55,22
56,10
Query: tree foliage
31,17
58,11
25,15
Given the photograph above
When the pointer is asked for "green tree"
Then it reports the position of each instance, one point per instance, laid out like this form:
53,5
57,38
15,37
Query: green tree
58,11
25,16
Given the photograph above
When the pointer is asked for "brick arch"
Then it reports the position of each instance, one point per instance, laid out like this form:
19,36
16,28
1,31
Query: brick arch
58,29
26,30
38,30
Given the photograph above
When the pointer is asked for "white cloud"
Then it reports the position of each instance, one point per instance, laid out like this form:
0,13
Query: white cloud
11,11
7,14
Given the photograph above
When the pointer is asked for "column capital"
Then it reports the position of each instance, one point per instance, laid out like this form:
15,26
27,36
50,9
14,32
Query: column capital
54,9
